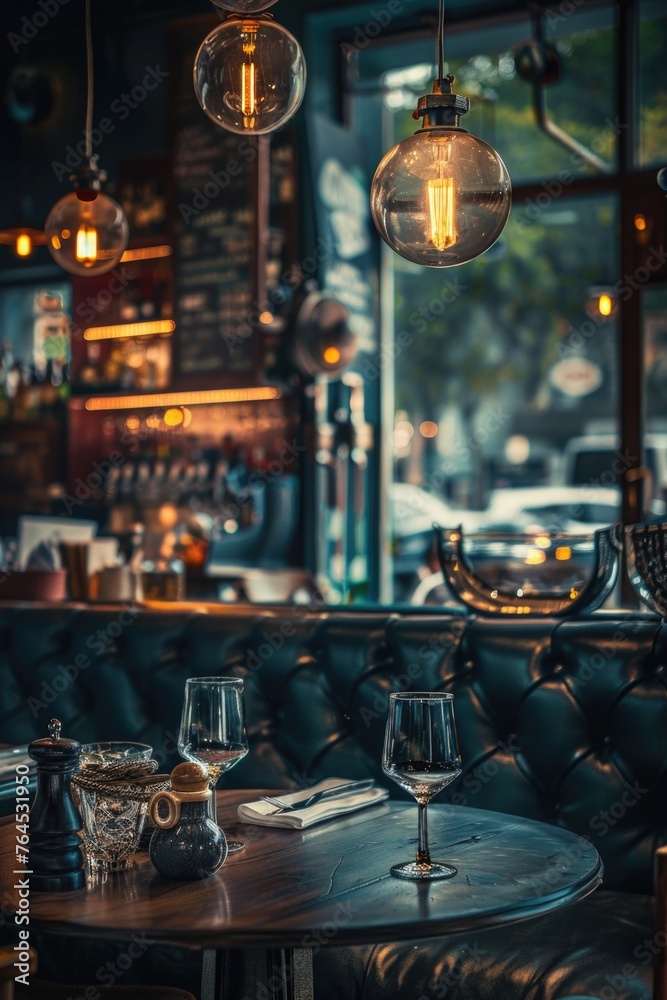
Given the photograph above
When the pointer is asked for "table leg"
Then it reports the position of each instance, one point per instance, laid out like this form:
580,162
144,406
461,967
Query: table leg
258,974
302,964
209,974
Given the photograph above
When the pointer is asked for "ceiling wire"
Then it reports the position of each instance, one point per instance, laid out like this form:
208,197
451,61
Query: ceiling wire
441,40
89,96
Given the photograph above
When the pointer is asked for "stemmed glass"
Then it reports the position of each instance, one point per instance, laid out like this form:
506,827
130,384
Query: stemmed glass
421,754
213,730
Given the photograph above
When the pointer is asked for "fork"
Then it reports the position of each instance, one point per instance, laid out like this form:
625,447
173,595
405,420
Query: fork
336,791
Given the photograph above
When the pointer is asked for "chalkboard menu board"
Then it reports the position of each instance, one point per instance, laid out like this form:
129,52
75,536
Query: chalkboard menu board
214,176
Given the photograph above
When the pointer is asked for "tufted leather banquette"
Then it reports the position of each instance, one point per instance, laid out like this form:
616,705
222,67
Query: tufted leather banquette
562,721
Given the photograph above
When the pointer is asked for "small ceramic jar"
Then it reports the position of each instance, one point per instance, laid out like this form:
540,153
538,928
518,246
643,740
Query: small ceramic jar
186,845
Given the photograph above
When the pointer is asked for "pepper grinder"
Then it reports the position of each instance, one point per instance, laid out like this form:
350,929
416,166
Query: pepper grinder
56,858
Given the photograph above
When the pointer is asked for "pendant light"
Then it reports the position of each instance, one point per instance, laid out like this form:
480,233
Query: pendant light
22,239
249,72
441,197
86,231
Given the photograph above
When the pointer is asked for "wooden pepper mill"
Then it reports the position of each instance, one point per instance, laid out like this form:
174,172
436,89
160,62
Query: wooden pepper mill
56,858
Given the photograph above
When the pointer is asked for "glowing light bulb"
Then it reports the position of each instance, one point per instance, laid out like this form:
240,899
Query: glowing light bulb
96,222
441,197
248,97
23,245
331,355
441,205
605,304
86,244
250,74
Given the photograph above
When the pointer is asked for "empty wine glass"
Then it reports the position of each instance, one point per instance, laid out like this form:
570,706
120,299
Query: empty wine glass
213,730
421,754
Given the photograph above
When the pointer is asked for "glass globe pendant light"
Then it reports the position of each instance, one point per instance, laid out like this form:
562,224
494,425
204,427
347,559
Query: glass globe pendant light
441,197
86,231
249,72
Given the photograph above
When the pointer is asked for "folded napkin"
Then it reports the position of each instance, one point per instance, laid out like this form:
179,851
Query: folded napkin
262,814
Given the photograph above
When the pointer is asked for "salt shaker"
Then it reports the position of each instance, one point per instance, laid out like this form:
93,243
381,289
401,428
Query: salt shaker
186,844
56,858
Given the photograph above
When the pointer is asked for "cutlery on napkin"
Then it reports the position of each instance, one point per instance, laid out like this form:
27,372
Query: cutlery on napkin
294,802
339,803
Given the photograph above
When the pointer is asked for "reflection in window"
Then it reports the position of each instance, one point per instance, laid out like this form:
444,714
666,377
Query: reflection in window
582,102
506,368
655,360
505,360
652,91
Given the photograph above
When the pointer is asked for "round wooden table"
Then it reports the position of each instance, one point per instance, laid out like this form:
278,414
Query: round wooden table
260,917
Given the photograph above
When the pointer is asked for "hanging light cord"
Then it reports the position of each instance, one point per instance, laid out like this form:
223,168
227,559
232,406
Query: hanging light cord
441,40
89,96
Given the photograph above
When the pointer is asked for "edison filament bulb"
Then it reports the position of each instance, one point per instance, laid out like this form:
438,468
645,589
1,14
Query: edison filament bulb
441,197
87,231
250,74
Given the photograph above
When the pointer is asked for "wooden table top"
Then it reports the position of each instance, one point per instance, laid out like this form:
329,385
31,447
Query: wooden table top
330,884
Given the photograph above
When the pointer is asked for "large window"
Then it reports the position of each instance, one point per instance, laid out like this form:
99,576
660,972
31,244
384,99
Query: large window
502,409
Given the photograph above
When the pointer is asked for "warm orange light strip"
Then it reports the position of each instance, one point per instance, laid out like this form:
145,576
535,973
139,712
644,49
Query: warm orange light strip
149,402
146,253
153,326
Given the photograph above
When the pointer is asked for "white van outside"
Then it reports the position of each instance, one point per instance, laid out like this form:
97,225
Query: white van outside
597,459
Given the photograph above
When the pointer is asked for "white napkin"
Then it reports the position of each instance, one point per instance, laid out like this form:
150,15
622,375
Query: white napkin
262,814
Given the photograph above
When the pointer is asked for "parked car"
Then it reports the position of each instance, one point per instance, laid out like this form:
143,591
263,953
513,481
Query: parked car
570,509
413,511
598,458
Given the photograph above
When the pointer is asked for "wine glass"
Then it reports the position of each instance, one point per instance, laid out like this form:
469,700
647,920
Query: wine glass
213,730
421,754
